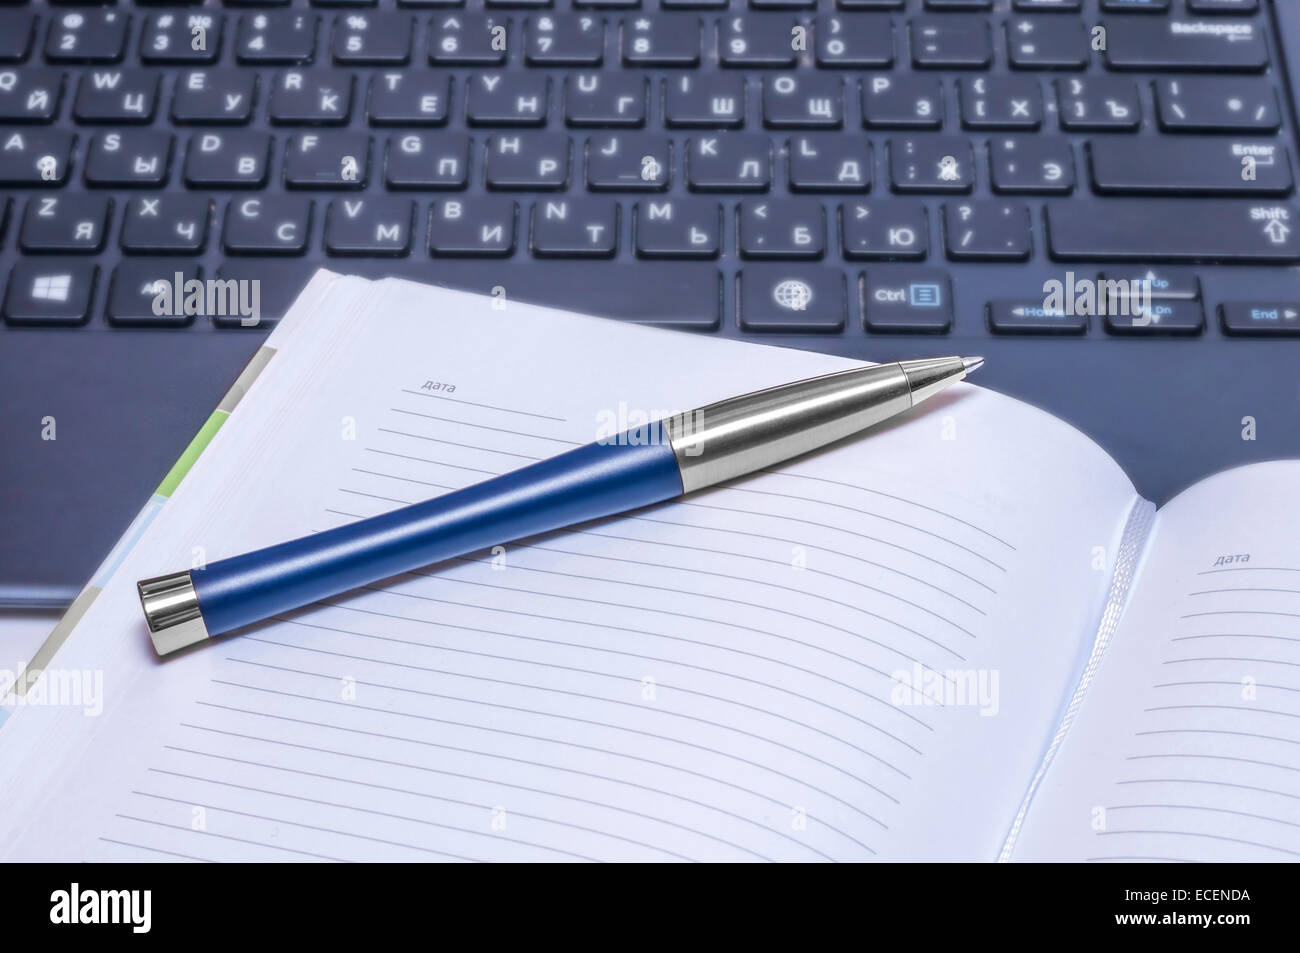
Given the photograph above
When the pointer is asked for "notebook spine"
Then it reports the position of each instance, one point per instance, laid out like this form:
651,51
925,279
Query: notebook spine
1133,542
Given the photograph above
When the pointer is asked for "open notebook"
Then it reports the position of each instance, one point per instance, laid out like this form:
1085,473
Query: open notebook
963,636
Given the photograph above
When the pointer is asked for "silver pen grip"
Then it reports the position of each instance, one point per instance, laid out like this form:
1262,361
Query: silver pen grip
737,436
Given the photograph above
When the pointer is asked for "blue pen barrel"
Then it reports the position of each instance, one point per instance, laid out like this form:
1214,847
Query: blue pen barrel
600,479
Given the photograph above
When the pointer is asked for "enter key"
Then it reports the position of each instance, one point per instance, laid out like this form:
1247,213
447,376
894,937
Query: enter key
1193,165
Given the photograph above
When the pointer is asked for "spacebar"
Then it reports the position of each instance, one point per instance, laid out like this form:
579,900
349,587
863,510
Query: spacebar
685,294
1172,230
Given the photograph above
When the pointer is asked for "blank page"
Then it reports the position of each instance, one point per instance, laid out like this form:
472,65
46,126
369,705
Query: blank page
859,656
1187,746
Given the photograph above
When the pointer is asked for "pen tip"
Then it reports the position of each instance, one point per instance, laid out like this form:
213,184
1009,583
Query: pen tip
972,363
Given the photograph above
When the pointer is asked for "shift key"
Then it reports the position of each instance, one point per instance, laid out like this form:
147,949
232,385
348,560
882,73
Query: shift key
1192,165
1152,230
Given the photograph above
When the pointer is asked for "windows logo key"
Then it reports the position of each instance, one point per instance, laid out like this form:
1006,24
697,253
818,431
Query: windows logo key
51,287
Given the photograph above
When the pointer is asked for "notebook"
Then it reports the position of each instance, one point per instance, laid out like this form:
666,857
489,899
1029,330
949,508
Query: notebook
963,636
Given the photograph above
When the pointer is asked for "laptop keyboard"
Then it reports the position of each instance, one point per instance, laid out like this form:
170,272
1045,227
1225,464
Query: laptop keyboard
786,166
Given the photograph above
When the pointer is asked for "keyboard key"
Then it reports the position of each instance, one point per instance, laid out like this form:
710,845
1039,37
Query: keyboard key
1260,317
268,225
30,95
1099,103
1153,230
421,160
1160,318
66,224
1031,165
174,38
473,227
1218,104
166,224
16,28
890,229
537,161
902,102
757,39
1032,316
791,298
1162,283
737,162
409,99
782,228
318,98
951,42
854,41
907,300
143,293
1187,45
38,157
715,101
627,162
678,228
565,40
1135,6
468,39
378,225
87,36
662,40
987,230
136,158
507,99
116,96
1000,102
379,39
1036,6
575,228
1047,43
277,36
278,282
210,97
1222,6
820,163
807,101
1190,166
336,160
50,291
605,99
931,164
228,159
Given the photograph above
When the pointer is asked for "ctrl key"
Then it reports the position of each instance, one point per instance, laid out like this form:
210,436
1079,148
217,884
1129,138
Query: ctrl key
49,292
908,301
1260,317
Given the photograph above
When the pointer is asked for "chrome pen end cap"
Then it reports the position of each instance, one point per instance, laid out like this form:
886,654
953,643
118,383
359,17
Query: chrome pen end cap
971,364
171,610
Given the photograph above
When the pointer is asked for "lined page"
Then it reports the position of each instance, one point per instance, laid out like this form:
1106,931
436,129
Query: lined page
1187,747
858,656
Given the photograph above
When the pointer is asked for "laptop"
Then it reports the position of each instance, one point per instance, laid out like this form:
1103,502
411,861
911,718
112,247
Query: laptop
1098,196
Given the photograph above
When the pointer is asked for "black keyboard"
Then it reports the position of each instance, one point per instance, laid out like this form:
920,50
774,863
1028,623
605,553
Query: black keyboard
777,166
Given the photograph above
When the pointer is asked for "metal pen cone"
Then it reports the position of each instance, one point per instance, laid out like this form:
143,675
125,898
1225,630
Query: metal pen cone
927,377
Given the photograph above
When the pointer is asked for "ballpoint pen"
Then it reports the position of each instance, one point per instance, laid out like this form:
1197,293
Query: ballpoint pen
649,464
